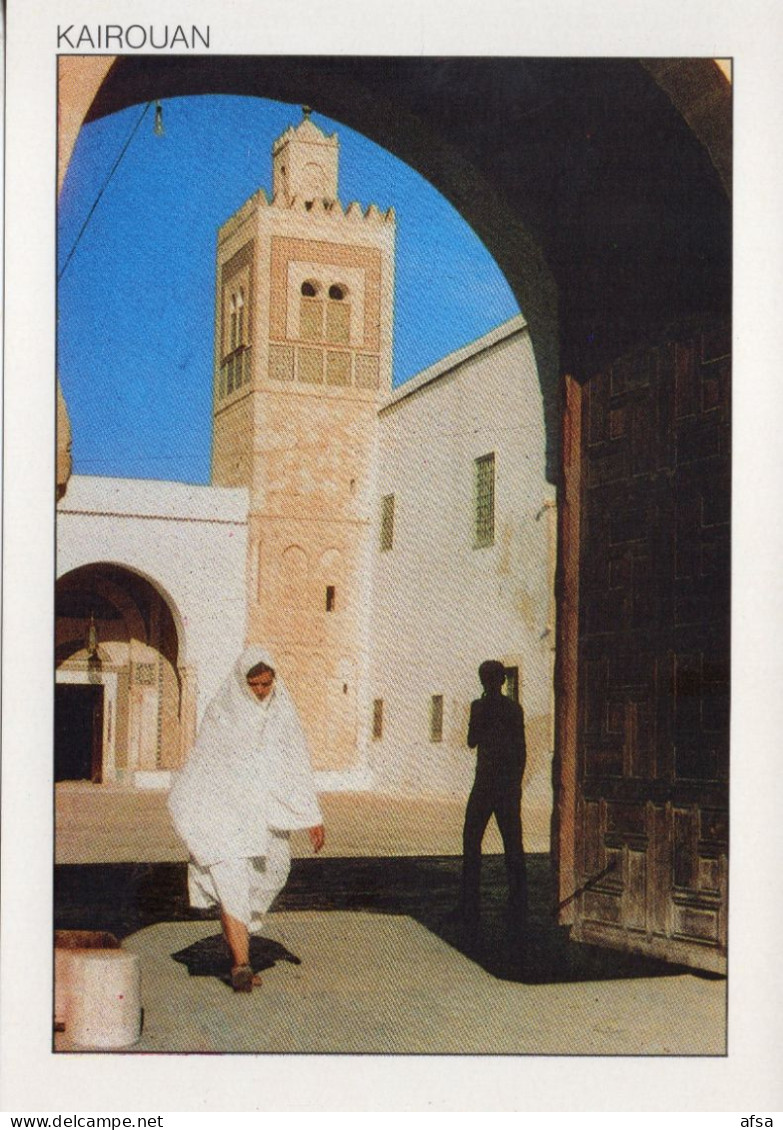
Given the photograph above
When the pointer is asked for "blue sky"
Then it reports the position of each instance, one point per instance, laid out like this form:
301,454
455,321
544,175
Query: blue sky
136,301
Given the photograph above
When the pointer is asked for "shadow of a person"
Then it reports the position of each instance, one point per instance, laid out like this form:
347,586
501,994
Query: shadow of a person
211,957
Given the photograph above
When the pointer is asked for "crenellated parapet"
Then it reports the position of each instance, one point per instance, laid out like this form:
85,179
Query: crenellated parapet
242,215
326,207
304,182
353,212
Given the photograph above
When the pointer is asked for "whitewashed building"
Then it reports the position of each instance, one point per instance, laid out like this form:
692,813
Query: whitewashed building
464,564
151,612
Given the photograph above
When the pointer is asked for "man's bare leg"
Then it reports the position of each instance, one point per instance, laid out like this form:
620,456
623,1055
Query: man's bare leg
238,938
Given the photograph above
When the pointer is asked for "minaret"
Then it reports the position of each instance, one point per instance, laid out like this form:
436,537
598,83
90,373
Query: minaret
304,163
303,354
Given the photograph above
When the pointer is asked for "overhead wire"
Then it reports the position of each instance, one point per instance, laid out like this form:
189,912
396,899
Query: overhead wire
104,186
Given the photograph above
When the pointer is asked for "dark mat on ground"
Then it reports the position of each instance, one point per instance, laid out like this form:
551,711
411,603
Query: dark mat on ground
125,897
211,957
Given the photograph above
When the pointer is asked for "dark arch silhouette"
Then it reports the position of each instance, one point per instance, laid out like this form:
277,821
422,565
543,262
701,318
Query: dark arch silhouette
598,185
602,189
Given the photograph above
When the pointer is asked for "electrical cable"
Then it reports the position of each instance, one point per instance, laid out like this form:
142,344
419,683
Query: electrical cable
103,189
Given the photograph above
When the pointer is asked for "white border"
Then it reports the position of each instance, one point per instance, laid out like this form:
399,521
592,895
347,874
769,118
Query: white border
750,1078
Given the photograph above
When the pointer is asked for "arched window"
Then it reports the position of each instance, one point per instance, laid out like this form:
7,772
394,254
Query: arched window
232,324
235,368
240,317
338,315
236,320
311,312
328,320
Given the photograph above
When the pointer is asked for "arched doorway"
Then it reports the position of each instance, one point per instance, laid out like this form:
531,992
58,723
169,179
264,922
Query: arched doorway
118,694
601,188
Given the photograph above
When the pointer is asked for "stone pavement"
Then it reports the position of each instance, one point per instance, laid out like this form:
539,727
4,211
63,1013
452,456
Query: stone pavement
105,824
379,981
385,985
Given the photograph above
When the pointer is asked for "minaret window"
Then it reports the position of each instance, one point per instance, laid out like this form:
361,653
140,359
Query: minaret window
311,313
326,320
338,315
237,320
235,366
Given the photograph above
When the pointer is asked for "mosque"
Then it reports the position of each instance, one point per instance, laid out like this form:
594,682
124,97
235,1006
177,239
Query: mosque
380,542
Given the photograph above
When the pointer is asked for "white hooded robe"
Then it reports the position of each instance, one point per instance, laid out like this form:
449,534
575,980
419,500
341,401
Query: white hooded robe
249,774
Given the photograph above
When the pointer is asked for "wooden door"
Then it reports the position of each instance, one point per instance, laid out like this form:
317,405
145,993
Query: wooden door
643,673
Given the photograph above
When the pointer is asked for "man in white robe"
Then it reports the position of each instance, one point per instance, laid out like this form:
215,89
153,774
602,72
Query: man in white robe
247,784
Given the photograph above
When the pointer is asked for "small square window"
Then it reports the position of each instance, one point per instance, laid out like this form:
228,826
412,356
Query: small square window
330,598
511,685
436,718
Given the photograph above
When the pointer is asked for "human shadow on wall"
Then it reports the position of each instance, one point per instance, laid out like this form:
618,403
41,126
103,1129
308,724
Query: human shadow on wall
125,897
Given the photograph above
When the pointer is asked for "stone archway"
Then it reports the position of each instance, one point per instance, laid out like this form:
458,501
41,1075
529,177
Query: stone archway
114,631
601,188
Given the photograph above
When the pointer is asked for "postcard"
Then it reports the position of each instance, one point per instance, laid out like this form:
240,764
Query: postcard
385,572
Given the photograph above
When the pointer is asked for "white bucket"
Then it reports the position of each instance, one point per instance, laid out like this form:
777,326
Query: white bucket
65,941
103,1005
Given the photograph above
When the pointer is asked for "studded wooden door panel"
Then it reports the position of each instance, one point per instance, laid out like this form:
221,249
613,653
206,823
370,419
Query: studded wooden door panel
650,756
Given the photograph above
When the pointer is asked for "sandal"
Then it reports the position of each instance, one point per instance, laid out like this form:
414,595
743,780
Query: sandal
242,979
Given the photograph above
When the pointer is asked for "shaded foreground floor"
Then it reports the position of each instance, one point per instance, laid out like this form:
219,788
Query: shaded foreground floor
123,898
381,965
383,984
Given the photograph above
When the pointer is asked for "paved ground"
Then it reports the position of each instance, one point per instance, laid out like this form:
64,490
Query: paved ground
100,824
383,968
384,984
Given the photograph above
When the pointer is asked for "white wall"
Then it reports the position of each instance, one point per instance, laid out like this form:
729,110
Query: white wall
190,542
441,606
